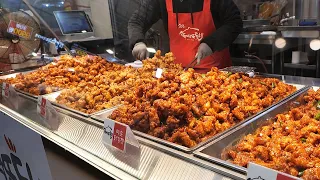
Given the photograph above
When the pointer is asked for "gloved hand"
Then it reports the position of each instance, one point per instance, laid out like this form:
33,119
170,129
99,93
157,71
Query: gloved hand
203,51
140,51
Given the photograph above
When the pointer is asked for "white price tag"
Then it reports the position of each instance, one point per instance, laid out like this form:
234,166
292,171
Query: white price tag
117,135
48,113
5,90
257,172
159,73
11,96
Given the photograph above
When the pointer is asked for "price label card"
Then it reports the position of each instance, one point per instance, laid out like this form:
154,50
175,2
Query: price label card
10,95
159,73
5,90
117,135
48,113
257,172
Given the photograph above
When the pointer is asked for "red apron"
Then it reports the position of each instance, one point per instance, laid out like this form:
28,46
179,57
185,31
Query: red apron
185,38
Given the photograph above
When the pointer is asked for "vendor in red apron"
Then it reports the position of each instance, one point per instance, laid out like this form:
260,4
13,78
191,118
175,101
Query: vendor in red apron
201,29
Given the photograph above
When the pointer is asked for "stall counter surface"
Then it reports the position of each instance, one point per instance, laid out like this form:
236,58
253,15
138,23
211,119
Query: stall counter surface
82,136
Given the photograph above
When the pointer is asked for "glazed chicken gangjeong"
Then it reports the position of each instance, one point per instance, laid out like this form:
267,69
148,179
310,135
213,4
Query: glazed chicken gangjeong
289,143
188,108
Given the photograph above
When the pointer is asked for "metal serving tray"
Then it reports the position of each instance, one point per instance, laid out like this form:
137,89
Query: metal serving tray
104,115
53,96
28,95
213,151
13,75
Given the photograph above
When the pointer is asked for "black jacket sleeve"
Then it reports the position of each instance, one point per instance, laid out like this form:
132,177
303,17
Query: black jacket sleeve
228,23
142,20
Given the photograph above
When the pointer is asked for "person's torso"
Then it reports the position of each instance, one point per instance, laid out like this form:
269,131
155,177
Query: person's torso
186,30
188,6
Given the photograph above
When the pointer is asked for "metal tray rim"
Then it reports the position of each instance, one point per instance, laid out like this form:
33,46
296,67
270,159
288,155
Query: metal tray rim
73,110
29,95
198,153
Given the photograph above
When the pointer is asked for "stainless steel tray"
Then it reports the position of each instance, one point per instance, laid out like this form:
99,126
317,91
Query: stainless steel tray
213,151
104,115
53,96
28,95
13,75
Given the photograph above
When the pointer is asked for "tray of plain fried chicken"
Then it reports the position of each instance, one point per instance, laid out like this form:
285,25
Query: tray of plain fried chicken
286,138
87,84
186,110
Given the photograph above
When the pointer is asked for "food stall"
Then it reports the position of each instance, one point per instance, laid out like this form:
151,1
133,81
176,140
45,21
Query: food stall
158,120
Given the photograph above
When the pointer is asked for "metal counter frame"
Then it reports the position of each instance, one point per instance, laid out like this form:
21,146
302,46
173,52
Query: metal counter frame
83,137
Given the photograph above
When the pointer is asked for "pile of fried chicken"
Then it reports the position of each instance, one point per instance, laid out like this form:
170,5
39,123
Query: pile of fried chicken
68,72
290,143
188,108
91,83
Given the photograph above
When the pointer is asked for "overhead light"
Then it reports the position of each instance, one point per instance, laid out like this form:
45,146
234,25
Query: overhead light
110,51
34,54
151,50
47,5
315,44
62,2
280,43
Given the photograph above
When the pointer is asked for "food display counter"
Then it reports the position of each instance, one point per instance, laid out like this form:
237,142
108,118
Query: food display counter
82,134
153,119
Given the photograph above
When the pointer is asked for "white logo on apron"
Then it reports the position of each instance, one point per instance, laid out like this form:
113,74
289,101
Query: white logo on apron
189,33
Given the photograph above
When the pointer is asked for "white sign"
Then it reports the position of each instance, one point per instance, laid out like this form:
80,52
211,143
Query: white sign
159,73
257,172
117,135
11,96
5,90
48,113
22,155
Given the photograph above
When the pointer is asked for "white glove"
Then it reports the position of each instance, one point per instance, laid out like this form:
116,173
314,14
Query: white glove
203,51
140,51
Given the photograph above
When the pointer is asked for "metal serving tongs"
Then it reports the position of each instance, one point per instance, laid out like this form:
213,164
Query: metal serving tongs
192,64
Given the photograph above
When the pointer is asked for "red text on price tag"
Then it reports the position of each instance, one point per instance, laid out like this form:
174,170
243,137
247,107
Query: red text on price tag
6,90
115,134
43,107
119,136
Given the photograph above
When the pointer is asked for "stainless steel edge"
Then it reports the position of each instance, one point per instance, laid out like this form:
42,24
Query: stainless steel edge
66,143
52,98
105,110
27,95
236,136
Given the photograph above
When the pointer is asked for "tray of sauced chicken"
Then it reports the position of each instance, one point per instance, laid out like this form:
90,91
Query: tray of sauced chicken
186,110
286,139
